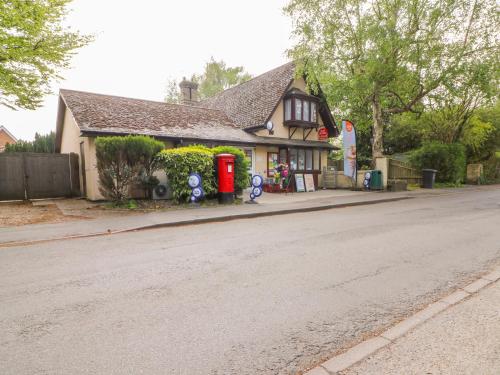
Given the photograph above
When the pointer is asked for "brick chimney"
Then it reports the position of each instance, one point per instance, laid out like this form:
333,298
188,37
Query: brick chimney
189,92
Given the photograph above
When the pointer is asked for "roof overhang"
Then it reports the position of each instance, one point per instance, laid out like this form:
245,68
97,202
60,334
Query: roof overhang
257,141
61,111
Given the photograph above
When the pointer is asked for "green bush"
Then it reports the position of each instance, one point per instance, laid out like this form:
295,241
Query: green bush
115,173
448,159
124,160
141,153
180,162
240,165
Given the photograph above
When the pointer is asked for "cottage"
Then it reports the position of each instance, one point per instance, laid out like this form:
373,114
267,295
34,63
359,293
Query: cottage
271,117
6,137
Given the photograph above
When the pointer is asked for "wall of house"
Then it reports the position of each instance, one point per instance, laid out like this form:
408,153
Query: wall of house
261,159
281,131
70,141
4,139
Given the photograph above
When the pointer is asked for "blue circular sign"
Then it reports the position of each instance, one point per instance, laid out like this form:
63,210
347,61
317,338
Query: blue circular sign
197,193
194,180
257,191
257,180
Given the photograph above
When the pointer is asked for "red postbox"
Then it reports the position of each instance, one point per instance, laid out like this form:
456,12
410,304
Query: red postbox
225,171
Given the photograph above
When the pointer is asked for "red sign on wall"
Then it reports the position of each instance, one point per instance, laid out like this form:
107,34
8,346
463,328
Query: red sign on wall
323,134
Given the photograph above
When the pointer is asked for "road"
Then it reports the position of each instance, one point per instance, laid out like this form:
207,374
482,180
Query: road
272,295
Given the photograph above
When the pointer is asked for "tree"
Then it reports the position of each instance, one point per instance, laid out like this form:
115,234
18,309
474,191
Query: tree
173,94
375,59
35,47
42,143
216,78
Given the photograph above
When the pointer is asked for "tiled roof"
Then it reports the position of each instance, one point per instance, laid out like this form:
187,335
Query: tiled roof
251,103
105,114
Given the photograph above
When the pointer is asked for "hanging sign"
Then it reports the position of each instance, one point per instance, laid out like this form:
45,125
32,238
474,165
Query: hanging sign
349,140
323,134
299,183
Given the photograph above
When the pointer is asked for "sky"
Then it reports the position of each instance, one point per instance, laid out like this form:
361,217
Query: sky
140,45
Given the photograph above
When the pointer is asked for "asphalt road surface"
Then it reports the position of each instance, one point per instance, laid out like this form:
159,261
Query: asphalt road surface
270,295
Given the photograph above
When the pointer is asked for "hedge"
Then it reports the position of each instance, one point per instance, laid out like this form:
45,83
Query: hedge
179,163
240,165
448,159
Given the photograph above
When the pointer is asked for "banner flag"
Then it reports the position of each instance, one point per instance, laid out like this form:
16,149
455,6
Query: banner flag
349,140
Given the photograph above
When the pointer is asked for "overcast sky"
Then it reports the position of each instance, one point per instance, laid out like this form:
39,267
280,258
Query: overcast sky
141,44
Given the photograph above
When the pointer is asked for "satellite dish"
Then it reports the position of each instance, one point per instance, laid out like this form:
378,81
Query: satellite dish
269,125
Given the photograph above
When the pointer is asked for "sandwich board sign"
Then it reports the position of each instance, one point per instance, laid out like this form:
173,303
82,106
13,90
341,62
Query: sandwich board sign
299,183
309,180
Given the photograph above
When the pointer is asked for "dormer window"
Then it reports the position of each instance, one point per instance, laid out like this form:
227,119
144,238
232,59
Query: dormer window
300,109
288,109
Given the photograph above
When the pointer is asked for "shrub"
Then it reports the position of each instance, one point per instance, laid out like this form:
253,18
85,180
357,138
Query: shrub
240,165
448,159
123,160
115,173
141,154
180,162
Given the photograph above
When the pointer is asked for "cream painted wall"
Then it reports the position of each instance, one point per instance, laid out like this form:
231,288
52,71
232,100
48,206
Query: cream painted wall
70,141
261,159
281,131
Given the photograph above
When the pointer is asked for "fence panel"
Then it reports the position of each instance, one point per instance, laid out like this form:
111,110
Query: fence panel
11,177
38,175
47,176
399,170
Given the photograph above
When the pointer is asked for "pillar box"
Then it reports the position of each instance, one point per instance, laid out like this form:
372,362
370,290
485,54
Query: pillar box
225,174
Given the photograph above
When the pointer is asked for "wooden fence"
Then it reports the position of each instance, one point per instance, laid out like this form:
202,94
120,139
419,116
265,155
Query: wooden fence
400,170
36,175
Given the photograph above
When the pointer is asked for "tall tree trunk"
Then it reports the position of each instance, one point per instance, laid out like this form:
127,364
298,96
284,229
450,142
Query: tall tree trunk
378,128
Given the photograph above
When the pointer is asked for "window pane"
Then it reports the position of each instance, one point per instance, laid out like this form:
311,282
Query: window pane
306,111
293,159
283,156
313,112
309,161
288,109
316,159
272,163
298,109
301,160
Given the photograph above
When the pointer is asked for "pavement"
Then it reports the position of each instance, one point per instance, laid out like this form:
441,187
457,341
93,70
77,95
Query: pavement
268,205
461,340
450,336
265,295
